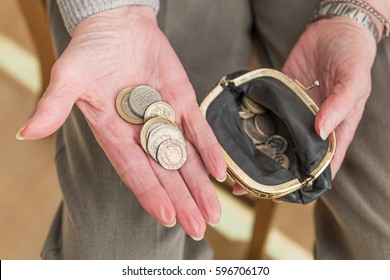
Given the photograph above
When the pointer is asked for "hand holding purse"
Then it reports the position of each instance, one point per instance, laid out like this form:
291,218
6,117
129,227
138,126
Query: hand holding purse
264,122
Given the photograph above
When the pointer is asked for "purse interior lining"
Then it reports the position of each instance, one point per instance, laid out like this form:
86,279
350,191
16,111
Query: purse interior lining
293,119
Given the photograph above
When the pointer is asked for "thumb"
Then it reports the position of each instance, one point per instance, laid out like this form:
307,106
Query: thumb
345,97
52,110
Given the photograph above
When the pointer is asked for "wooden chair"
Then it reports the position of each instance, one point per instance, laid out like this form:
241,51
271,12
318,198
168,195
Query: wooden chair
35,15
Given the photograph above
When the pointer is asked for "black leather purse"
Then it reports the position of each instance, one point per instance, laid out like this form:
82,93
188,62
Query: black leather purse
291,162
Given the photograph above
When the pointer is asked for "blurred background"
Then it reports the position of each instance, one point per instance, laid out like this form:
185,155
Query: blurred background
29,191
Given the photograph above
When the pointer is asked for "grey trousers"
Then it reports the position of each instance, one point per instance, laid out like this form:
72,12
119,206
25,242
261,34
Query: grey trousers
99,218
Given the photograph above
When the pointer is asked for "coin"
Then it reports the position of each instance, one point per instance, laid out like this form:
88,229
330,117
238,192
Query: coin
279,158
152,123
159,109
265,125
278,143
123,107
159,135
268,151
286,162
246,115
244,109
141,97
253,106
171,154
249,128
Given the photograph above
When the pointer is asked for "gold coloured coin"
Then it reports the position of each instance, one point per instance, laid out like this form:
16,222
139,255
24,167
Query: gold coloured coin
253,106
286,162
123,107
159,109
246,114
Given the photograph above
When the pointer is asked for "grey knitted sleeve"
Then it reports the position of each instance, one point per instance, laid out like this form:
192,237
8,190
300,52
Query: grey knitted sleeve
74,11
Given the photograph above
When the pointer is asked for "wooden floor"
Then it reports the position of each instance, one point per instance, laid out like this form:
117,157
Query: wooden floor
29,191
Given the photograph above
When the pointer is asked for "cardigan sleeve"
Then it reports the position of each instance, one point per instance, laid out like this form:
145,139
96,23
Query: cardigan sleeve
74,11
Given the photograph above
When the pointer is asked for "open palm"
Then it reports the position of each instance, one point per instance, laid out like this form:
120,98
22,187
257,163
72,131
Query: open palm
114,50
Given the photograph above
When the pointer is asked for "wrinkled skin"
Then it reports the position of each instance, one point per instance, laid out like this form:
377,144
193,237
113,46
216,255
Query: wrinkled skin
340,54
123,47
114,50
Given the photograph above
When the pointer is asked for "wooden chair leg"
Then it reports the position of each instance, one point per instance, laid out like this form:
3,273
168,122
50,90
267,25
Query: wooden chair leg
263,214
35,15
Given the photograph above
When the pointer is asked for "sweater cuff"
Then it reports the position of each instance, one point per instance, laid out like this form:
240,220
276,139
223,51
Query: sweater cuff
74,11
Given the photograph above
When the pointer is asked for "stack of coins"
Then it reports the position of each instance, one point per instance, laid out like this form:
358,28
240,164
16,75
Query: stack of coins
260,127
160,137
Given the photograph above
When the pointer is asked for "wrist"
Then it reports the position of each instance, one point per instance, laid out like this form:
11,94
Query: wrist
382,6
75,11
358,11
120,19
344,36
126,14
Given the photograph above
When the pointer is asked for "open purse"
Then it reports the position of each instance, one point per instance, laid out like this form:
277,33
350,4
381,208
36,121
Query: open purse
264,122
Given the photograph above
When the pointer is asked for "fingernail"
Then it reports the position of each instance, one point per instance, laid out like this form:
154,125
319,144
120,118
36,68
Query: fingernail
197,238
213,224
237,193
19,135
170,225
323,135
223,179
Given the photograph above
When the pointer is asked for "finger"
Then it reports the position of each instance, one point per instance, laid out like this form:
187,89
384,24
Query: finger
52,110
140,178
130,161
200,134
345,133
238,190
345,97
187,212
200,186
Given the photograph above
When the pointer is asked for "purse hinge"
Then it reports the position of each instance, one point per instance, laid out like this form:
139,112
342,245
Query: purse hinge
225,81
308,182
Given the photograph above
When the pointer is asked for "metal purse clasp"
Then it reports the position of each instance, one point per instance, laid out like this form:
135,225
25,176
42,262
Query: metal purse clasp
234,171
315,84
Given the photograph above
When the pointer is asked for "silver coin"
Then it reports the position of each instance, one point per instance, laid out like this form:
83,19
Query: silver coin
279,158
127,110
152,127
147,128
278,143
249,128
141,97
159,135
265,125
246,115
171,154
159,109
